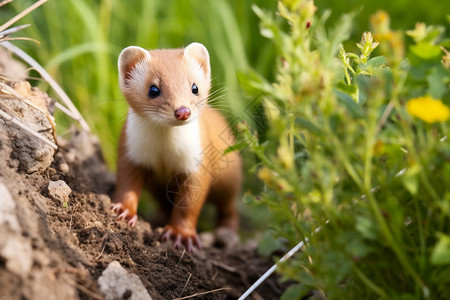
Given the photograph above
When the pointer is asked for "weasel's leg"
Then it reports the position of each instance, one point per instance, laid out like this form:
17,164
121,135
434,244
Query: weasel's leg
227,213
129,183
188,200
126,195
225,191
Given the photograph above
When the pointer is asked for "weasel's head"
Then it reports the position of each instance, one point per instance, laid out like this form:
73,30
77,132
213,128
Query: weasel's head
169,87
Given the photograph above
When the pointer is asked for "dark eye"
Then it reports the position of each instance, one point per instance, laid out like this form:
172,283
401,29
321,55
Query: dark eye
153,92
194,89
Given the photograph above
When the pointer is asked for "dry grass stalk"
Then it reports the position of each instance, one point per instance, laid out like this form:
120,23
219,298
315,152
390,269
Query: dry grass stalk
24,127
4,2
74,113
22,14
203,293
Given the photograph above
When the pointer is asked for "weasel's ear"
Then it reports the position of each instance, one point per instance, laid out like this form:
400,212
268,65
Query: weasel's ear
128,59
199,52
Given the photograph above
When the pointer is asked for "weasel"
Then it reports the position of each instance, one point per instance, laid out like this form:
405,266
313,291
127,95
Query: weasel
172,142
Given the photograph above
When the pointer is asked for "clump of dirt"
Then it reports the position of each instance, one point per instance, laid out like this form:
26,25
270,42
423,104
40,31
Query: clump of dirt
59,235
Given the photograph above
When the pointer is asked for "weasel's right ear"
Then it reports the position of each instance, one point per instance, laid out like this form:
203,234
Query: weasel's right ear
200,54
128,59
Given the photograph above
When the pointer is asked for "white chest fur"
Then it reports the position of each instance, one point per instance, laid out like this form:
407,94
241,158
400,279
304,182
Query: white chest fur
166,150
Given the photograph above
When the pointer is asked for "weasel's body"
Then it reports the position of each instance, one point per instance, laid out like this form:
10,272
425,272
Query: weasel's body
174,150
173,142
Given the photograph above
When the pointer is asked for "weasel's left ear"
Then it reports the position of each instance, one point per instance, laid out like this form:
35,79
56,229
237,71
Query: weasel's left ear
199,52
128,59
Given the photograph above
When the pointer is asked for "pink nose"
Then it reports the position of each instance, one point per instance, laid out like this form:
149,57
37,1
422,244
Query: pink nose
183,113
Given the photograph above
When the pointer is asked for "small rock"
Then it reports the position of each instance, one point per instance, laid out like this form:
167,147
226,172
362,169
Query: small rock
7,210
15,250
116,283
51,172
71,156
226,238
59,191
207,239
64,168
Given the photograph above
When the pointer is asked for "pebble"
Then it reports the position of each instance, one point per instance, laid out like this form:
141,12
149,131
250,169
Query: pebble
71,156
116,283
64,168
207,239
15,250
59,191
226,238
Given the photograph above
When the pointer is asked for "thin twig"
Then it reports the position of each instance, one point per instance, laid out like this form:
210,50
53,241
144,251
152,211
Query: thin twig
14,29
274,267
187,281
22,14
6,89
224,266
203,293
445,50
182,254
16,122
4,39
83,289
10,91
71,215
65,110
103,243
385,115
4,2
58,90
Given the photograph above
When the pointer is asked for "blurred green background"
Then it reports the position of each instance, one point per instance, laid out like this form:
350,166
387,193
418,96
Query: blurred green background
81,40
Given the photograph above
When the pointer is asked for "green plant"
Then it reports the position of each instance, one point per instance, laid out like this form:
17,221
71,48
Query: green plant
355,147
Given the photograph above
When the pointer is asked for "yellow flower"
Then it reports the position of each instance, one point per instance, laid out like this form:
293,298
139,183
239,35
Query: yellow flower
428,109
265,174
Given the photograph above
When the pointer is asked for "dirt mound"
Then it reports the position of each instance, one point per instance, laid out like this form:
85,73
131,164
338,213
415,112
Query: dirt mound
58,234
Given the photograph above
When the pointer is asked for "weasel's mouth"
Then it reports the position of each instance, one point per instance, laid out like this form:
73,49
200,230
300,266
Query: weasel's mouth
176,122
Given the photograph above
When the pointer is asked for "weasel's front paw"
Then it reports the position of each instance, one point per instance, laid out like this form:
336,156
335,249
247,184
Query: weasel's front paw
124,213
180,236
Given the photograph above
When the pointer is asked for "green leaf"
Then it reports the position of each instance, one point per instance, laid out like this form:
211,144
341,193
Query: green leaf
410,179
350,90
352,107
366,227
441,252
253,83
308,125
268,244
294,292
426,51
436,81
376,62
236,147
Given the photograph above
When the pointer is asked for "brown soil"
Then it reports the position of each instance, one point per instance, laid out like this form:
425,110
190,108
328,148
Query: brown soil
60,248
